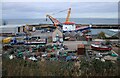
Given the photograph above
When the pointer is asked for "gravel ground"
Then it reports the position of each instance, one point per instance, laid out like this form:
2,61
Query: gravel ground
72,45
38,33
0,66
117,50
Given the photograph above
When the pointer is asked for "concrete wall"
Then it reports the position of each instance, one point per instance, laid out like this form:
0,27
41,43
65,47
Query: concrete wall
9,30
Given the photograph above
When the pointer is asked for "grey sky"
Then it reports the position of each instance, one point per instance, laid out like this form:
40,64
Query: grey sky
60,0
35,10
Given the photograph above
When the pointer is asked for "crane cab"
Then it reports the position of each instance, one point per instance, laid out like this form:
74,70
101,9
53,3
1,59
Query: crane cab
69,26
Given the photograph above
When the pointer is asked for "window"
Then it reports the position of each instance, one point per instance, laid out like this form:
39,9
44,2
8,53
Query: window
57,34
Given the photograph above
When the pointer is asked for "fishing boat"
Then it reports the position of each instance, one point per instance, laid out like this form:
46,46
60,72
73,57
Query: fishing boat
101,47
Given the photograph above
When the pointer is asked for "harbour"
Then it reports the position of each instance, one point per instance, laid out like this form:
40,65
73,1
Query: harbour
58,45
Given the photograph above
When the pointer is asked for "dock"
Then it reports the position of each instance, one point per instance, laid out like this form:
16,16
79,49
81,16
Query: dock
94,26
106,26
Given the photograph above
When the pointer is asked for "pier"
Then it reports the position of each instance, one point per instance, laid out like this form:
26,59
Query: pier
102,26
94,26
106,26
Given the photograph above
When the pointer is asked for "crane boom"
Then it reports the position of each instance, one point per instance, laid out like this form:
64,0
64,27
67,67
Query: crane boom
54,21
68,15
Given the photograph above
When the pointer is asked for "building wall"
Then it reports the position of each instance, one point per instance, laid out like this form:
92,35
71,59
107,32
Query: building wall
9,30
60,34
68,27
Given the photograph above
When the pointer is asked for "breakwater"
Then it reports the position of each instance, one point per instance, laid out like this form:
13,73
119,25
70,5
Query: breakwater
94,26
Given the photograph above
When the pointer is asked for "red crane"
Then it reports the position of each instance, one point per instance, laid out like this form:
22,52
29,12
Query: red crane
54,21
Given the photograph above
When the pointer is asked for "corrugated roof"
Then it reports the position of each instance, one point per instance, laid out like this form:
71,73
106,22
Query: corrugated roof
57,31
10,26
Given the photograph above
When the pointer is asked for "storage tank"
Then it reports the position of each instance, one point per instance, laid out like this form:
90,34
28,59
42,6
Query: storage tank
33,29
81,49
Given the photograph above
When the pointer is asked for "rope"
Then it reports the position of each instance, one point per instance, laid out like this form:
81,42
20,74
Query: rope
59,12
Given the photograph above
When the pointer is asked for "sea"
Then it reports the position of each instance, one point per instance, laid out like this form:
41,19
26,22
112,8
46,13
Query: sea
76,20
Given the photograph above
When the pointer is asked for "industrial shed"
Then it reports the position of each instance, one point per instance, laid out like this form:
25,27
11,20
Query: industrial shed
11,29
8,29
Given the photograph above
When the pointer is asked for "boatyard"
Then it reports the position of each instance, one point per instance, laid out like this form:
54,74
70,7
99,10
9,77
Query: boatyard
60,48
42,45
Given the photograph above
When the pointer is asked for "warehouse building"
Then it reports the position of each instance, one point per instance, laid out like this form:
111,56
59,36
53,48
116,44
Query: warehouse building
13,29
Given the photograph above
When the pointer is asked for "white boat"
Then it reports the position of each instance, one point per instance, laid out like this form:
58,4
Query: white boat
114,30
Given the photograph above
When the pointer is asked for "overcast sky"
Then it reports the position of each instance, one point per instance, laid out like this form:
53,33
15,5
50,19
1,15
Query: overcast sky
60,0
36,10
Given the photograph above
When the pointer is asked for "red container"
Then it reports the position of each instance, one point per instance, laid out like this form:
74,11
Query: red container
81,49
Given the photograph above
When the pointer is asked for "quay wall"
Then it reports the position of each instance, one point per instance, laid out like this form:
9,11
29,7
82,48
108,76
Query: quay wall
94,26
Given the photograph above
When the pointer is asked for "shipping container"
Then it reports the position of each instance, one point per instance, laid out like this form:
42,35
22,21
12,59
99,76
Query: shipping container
80,49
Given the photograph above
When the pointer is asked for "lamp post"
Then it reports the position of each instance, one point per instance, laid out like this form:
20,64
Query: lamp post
90,35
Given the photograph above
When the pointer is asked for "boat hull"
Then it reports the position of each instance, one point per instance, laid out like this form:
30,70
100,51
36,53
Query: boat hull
101,48
82,29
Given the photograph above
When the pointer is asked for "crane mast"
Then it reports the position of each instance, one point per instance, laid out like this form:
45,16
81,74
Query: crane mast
68,15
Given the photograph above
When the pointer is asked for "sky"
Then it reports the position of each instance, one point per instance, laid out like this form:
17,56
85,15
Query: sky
16,9
60,0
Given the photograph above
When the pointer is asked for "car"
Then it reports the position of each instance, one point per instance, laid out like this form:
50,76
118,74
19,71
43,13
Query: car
65,47
118,45
48,31
42,31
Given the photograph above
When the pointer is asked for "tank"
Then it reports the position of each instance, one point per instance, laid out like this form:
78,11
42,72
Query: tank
33,29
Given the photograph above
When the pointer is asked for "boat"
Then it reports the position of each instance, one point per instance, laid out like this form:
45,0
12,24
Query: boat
71,26
101,47
114,30
83,29
68,26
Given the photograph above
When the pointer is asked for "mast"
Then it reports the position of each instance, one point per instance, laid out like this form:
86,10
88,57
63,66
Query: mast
68,15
